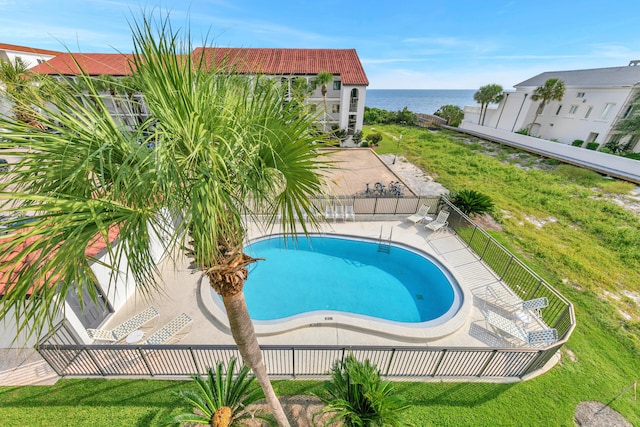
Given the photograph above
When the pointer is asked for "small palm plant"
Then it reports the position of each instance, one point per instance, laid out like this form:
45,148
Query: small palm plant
220,399
472,202
359,398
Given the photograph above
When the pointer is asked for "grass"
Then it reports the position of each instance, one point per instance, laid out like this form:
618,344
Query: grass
589,252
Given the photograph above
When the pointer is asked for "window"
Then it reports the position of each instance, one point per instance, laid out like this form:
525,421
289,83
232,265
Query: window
580,95
336,85
558,110
606,111
588,113
335,108
628,112
573,109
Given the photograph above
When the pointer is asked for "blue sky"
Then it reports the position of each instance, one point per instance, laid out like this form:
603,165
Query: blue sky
408,44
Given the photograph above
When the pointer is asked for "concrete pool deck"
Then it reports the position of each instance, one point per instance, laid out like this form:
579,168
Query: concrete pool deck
184,292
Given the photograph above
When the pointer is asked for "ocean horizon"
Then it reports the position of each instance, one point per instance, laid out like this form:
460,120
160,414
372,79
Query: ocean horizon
426,101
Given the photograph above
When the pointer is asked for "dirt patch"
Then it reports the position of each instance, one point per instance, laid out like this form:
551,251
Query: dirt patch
596,414
302,411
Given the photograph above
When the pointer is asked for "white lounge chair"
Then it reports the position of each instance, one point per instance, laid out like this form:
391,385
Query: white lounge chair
545,336
169,331
125,328
349,213
531,307
339,213
328,212
440,221
420,215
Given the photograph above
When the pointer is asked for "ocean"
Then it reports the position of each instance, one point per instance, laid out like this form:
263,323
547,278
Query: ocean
425,101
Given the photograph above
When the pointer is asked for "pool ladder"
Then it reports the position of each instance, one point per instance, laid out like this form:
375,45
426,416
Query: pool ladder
384,245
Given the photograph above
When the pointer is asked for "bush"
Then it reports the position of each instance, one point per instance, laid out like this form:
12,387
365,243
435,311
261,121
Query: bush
365,143
523,131
357,137
374,138
592,145
359,397
472,202
577,142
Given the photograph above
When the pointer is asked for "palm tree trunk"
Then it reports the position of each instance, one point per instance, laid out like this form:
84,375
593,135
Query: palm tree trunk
245,338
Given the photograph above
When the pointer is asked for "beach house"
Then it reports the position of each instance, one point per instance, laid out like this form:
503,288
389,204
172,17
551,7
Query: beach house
595,100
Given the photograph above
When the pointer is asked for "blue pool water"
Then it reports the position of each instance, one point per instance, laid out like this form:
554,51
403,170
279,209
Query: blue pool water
329,273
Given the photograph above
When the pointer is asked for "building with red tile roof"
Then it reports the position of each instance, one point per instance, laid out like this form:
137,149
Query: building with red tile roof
29,55
345,97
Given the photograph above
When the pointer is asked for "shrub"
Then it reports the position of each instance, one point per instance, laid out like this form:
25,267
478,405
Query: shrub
523,131
472,202
220,399
374,138
365,143
359,397
357,137
592,145
577,142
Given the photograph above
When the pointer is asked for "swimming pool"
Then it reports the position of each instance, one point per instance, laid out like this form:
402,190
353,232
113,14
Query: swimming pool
347,281
347,275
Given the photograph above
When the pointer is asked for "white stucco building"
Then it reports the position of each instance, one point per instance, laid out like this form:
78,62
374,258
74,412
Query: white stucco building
594,101
30,56
345,97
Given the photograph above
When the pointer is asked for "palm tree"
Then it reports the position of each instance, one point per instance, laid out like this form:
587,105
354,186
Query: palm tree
552,90
25,90
452,113
221,399
225,146
488,94
323,79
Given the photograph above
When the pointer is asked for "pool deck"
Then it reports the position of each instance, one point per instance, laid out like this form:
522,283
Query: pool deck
184,291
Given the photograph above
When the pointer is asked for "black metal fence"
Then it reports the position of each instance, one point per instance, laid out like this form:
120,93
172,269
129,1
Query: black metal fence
68,357
397,363
513,272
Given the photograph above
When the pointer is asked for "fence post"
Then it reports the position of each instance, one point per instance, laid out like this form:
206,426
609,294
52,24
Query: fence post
435,370
146,362
195,362
393,353
506,267
95,362
293,362
486,364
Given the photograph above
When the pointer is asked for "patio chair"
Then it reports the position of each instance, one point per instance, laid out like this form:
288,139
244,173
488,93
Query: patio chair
169,331
329,213
532,307
440,221
508,326
349,213
125,328
420,215
339,213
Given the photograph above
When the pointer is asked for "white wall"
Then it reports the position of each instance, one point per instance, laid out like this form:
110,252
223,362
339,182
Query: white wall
10,338
517,111
30,59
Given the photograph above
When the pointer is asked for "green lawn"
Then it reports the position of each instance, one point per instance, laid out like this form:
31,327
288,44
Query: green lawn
588,249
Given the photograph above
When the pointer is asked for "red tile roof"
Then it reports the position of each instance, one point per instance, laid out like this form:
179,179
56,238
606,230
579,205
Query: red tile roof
343,62
95,64
94,248
16,48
